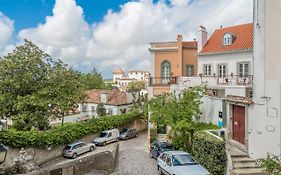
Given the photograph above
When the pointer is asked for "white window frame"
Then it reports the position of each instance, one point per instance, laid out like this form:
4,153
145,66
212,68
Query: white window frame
207,69
244,72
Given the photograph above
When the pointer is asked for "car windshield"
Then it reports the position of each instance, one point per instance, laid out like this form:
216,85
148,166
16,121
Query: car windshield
124,130
167,147
67,148
103,134
184,159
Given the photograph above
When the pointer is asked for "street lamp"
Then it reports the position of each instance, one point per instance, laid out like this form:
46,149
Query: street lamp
3,153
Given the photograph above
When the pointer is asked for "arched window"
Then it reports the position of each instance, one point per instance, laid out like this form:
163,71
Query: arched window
228,39
165,69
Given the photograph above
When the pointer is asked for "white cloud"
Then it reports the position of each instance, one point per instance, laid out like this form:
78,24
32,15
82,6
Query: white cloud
6,33
122,38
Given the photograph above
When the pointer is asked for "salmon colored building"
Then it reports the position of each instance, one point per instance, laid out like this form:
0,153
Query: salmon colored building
169,61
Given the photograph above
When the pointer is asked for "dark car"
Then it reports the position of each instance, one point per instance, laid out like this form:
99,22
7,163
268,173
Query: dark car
128,133
158,148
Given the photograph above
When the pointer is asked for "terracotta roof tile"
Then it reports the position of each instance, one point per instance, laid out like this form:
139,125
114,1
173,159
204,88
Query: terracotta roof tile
243,41
118,71
114,97
239,99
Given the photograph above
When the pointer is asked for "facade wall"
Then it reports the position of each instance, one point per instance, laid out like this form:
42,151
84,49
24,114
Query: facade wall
157,90
190,58
172,57
265,120
210,109
116,110
230,59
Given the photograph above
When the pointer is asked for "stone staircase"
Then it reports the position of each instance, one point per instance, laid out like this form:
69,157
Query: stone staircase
242,164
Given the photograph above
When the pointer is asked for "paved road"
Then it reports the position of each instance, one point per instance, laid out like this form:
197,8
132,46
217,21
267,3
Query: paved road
133,157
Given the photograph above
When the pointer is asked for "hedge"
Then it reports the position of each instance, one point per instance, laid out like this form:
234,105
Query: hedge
210,152
64,134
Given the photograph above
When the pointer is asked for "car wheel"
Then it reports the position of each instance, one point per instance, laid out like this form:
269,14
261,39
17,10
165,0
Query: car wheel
160,171
117,140
136,135
74,156
104,143
92,148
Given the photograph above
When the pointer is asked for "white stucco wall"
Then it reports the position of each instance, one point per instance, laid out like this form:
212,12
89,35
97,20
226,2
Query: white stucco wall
239,91
210,109
230,59
116,110
264,118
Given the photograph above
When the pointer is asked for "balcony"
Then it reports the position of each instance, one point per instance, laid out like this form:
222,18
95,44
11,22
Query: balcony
162,81
216,81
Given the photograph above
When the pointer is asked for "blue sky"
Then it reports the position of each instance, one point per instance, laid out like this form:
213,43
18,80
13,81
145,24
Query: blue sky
111,34
28,13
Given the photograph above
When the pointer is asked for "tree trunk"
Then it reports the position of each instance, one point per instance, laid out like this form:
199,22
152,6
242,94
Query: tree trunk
62,119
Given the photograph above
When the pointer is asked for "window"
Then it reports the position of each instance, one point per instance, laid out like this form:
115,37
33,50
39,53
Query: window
93,108
207,70
228,39
165,69
163,157
110,111
243,69
168,161
189,70
222,71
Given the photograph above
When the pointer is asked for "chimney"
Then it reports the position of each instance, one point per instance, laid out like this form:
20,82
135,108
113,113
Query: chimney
179,38
202,37
103,97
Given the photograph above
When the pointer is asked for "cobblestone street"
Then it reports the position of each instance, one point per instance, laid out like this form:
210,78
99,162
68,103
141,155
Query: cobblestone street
133,157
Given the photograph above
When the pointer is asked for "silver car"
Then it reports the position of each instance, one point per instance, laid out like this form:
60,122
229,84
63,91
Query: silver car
179,163
75,149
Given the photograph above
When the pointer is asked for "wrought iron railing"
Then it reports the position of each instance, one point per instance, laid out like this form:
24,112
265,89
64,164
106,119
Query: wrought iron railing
162,81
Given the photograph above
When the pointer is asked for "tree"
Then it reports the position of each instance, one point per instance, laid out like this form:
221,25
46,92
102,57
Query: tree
178,112
135,87
67,90
24,74
101,111
92,80
33,87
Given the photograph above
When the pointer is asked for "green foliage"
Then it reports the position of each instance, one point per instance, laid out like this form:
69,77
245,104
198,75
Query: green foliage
136,86
101,111
64,134
153,134
92,80
210,152
272,164
33,87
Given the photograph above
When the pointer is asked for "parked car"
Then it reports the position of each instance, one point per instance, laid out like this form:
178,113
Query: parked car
75,149
158,148
106,137
179,163
128,133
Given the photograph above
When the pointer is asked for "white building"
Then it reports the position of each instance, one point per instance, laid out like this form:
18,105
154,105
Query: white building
115,102
264,115
122,81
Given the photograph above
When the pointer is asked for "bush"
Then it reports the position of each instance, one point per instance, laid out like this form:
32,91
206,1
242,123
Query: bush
210,152
64,134
153,134
272,164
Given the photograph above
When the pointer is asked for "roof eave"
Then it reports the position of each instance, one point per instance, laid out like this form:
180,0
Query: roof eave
225,52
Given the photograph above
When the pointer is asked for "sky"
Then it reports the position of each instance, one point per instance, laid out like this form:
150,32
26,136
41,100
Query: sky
111,34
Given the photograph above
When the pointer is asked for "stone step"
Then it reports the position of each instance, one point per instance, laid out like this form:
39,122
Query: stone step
242,159
251,164
249,171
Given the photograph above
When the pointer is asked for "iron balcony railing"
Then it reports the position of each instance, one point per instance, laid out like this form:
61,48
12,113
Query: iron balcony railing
227,80
162,81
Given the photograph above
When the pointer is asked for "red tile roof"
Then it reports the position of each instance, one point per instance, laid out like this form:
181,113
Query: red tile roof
118,71
114,97
243,41
239,99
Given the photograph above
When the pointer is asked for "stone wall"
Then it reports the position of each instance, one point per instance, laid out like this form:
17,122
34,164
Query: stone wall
42,156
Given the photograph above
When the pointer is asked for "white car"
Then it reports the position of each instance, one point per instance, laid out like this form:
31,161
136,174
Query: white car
179,163
75,149
108,136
